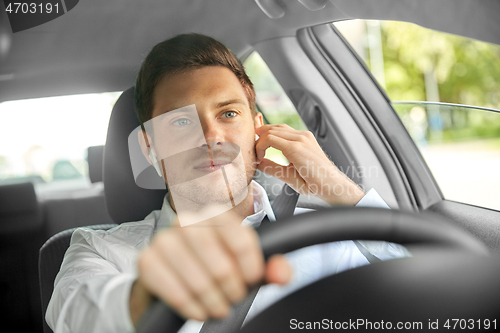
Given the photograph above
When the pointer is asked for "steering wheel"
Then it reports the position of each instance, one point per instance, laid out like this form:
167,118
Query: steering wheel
346,223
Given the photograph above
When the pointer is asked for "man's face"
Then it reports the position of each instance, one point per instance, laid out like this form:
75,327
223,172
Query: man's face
204,135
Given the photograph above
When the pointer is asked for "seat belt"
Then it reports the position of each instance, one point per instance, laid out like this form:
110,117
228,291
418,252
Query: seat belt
283,206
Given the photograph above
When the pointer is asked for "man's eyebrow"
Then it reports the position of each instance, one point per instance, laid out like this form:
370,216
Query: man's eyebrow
231,101
176,109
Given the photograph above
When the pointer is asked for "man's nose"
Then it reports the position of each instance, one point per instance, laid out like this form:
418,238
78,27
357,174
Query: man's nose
212,134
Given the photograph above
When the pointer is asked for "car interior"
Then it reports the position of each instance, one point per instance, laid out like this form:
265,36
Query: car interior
99,46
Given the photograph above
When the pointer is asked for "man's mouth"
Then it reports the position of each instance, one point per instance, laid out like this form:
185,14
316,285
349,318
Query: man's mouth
211,165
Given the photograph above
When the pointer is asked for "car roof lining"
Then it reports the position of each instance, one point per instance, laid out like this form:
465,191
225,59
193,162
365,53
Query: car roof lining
55,58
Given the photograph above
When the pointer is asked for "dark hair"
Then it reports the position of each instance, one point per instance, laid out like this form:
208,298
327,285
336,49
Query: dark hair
180,54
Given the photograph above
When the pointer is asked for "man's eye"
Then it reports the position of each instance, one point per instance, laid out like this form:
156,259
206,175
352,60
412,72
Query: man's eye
229,114
182,122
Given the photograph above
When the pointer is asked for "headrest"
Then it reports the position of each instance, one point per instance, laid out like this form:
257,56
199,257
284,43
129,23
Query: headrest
125,201
94,160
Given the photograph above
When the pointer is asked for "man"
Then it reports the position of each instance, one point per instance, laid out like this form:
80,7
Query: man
197,107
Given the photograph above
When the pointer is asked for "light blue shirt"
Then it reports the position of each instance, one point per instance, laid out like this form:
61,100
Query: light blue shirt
92,288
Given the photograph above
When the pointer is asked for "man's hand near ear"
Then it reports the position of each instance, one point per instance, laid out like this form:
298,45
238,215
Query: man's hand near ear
310,172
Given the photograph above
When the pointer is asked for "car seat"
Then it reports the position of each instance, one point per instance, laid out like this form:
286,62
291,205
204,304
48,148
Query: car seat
21,235
125,201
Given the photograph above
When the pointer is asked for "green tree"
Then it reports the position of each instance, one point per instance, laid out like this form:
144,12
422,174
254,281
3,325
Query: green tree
467,71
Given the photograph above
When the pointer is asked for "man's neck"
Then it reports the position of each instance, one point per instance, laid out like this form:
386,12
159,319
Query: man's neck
243,209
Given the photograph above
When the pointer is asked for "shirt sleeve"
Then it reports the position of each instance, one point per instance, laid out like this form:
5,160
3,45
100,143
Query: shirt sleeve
372,199
91,294
380,249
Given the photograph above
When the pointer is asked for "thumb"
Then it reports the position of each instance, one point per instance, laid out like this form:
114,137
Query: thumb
278,270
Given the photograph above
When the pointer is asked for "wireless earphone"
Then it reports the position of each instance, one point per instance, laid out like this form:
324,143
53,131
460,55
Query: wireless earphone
154,160
256,137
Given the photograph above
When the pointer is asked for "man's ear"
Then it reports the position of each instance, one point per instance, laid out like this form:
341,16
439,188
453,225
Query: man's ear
148,151
258,120
145,143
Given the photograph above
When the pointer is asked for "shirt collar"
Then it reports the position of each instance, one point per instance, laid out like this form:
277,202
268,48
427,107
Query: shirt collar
166,216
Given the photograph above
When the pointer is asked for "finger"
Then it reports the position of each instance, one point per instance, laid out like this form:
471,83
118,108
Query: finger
288,133
293,144
192,272
278,270
288,173
159,279
264,128
284,132
220,264
243,242
267,141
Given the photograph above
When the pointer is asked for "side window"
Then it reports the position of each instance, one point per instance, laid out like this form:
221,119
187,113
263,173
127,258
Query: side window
446,91
272,101
45,140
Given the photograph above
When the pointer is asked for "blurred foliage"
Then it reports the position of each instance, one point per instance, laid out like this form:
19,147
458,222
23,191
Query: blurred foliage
467,71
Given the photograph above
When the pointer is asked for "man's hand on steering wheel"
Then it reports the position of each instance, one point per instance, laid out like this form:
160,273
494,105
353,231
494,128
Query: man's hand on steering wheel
336,224
310,172
199,271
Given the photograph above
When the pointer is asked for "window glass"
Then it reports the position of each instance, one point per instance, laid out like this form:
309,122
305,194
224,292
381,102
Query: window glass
272,101
413,64
45,140
461,145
